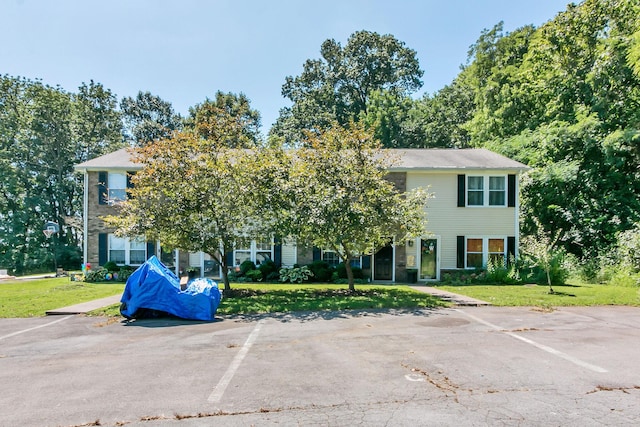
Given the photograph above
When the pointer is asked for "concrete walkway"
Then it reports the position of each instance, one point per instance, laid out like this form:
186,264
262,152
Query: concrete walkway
457,299
86,307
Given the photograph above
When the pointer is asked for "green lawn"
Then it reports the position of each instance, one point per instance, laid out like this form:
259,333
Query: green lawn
578,294
29,298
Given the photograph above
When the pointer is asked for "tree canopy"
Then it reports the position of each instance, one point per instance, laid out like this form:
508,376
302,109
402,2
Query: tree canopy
337,87
340,200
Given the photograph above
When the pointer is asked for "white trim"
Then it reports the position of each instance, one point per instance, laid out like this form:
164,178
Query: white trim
485,248
486,190
85,219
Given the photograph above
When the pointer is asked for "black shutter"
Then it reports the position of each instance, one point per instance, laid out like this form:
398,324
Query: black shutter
103,249
277,251
102,188
366,261
461,190
317,254
511,188
460,252
229,258
511,249
151,249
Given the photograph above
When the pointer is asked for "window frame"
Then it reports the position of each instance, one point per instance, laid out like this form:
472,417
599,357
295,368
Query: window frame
128,248
255,248
356,261
116,194
485,249
486,190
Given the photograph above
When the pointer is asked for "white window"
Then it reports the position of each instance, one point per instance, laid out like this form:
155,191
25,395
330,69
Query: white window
257,252
125,251
117,186
486,191
478,251
334,259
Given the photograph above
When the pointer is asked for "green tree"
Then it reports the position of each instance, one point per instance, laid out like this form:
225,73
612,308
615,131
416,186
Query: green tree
338,86
148,118
340,200
199,194
227,106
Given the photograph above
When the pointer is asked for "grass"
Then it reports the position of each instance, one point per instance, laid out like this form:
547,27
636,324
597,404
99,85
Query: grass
271,298
30,298
572,294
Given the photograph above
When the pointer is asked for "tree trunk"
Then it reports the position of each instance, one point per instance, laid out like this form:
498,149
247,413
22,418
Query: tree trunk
225,271
347,266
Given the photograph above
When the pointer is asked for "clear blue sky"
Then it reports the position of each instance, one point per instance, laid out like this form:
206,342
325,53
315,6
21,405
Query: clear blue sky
186,50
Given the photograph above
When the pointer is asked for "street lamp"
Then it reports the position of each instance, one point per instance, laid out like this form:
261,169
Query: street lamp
51,228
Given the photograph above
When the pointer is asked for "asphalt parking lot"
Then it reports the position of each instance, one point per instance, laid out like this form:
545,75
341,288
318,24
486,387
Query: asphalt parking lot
469,366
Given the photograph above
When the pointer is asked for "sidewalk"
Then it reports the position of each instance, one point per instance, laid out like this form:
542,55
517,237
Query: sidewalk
86,307
456,299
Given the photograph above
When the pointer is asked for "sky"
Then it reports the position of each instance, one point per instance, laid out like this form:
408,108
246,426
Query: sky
186,50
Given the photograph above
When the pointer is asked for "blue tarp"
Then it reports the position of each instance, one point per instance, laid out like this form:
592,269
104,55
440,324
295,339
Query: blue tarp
153,287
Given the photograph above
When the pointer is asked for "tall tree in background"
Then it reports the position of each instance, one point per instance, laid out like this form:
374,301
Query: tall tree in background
44,132
227,106
148,118
338,86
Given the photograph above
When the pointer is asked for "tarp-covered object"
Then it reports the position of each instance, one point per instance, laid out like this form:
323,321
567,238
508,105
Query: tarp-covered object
155,288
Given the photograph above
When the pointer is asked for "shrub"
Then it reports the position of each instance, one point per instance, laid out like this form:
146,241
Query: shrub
268,267
321,270
111,266
498,273
254,275
246,266
295,274
342,272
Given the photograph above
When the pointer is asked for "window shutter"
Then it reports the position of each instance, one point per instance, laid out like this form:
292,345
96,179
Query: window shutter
102,188
229,258
103,250
511,248
461,190
366,261
151,249
317,254
460,252
511,188
277,251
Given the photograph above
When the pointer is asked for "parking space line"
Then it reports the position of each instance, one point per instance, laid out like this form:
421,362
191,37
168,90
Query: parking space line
543,347
34,328
218,391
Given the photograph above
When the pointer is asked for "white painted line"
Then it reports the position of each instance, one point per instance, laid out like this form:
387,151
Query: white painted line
34,328
543,347
218,391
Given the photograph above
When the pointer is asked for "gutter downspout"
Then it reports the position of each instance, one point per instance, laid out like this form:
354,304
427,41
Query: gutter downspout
85,220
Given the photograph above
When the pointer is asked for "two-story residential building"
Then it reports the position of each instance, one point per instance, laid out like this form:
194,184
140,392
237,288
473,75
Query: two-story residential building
473,217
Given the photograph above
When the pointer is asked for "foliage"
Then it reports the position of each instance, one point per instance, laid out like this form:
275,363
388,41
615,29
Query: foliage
111,266
337,87
44,132
247,266
103,274
546,260
339,199
295,274
322,271
628,248
269,270
254,275
148,118
197,193
341,269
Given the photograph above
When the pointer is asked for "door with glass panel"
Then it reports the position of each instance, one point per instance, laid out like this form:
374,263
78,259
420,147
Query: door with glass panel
429,259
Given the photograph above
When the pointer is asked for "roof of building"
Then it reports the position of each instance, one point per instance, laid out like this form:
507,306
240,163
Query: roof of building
401,160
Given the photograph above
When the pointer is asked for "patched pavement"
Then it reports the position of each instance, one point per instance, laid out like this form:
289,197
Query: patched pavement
459,366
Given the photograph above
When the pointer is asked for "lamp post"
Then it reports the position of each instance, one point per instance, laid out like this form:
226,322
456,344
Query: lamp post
51,228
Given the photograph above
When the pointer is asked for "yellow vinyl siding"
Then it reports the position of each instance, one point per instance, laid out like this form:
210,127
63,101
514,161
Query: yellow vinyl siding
446,220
